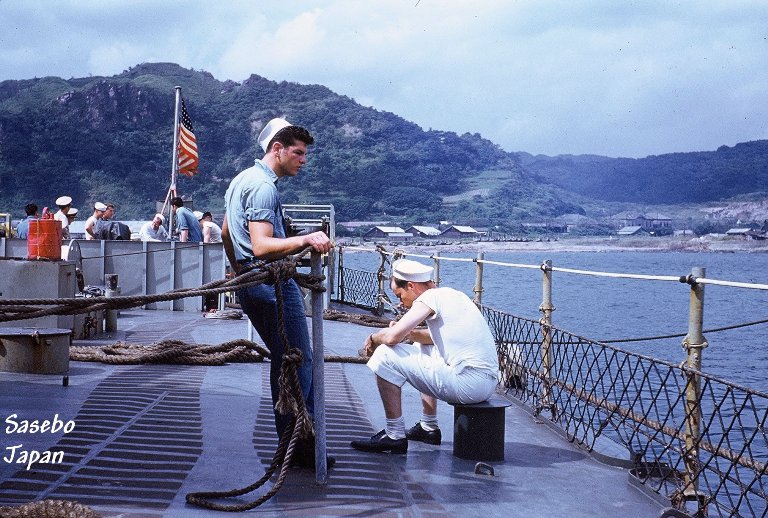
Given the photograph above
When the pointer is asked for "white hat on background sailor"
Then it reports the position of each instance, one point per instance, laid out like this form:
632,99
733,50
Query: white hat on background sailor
198,215
160,216
72,212
411,271
270,130
63,201
99,206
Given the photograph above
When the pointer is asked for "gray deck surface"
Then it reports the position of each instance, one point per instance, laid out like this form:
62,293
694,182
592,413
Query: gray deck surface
146,435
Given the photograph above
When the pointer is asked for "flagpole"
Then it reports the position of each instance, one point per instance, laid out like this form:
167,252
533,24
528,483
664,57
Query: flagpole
175,161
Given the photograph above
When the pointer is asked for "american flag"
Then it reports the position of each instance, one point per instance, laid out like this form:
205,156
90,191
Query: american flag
188,158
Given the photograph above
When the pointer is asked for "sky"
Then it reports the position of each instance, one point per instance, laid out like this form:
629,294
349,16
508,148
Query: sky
619,78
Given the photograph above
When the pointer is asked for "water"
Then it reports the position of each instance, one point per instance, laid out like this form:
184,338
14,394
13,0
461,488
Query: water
605,308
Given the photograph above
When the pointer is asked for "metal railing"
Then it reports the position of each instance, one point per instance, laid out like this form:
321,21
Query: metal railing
690,436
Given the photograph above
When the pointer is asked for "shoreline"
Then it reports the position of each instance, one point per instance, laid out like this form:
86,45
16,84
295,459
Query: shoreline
707,244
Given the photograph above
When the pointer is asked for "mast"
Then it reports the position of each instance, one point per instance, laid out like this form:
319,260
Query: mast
175,159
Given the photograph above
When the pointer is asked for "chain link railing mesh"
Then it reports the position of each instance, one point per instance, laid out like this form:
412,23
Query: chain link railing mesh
596,392
359,288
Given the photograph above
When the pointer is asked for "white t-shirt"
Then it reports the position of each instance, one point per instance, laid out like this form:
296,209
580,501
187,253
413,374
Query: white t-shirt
215,231
459,330
60,216
148,233
92,222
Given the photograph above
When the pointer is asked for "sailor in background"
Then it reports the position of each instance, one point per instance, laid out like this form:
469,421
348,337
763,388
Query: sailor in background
64,203
90,224
22,229
211,231
71,215
154,230
187,226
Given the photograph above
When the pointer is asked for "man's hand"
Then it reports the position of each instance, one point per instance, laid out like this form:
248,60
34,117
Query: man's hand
369,346
318,241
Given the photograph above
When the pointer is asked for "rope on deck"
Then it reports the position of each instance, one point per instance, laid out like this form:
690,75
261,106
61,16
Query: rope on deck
171,352
49,509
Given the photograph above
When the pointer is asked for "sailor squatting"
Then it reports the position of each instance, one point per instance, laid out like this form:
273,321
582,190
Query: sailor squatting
16,454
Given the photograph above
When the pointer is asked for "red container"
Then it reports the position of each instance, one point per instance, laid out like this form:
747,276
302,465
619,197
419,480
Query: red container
44,239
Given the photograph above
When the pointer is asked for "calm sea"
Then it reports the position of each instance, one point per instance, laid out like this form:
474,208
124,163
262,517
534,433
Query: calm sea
605,308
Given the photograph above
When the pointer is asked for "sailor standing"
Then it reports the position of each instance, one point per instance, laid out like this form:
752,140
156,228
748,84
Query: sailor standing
64,203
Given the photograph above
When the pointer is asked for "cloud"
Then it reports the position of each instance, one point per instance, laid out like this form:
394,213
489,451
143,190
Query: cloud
544,76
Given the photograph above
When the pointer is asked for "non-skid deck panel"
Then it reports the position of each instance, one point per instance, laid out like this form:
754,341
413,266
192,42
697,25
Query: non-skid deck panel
137,436
359,483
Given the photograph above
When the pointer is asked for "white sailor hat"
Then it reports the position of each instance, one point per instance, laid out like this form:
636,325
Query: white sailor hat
162,218
412,271
198,215
270,130
72,212
63,200
99,206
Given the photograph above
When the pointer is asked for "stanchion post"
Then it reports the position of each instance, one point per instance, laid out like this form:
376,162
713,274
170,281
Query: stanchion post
694,343
380,278
436,259
341,275
546,308
111,289
318,373
478,289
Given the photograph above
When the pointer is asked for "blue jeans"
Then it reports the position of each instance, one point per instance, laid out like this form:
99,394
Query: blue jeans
260,304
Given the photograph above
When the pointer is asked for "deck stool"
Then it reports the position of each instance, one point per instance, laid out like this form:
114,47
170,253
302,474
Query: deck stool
478,430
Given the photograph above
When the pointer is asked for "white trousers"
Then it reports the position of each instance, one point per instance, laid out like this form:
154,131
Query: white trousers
422,367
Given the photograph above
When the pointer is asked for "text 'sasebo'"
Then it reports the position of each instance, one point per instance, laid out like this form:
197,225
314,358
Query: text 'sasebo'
16,454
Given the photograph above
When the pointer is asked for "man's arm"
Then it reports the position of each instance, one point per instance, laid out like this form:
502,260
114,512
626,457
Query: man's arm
184,235
401,329
269,248
229,248
89,227
206,234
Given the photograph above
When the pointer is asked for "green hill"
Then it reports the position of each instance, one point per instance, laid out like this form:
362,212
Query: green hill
110,139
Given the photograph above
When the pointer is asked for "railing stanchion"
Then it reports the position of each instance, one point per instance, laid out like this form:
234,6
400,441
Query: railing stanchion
694,343
478,289
318,373
436,258
380,277
546,309
341,275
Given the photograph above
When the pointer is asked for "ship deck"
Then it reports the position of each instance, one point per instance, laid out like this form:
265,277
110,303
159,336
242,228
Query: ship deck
146,435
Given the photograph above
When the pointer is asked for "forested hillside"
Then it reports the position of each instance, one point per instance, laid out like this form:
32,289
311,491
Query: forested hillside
673,178
110,139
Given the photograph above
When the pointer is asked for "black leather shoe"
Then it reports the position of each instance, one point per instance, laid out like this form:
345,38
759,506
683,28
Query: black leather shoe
417,433
304,455
382,443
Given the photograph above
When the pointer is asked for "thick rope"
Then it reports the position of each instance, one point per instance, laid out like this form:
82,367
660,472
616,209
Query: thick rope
290,401
49,509
360,319
171,352
17,309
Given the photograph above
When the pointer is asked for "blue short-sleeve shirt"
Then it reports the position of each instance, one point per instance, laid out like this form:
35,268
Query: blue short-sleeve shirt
252,196
185,220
